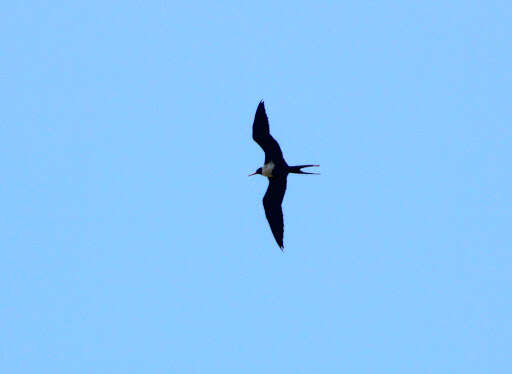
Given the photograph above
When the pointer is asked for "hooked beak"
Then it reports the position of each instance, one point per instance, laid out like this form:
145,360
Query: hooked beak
252,174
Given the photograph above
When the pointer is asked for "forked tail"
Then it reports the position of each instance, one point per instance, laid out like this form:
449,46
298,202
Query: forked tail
297,169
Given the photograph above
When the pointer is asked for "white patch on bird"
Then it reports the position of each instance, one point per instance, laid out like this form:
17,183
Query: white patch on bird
266,170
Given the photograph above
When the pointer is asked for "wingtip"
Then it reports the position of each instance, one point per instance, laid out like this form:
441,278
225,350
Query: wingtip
261,107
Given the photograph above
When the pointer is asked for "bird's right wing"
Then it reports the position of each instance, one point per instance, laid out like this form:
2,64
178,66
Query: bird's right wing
273,210
261,135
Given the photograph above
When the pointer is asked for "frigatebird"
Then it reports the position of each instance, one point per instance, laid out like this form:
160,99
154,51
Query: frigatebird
276,170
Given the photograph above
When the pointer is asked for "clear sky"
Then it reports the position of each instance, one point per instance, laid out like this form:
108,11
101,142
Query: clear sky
133,241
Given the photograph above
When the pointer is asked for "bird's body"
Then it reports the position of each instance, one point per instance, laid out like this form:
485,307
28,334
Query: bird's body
267,169
276,170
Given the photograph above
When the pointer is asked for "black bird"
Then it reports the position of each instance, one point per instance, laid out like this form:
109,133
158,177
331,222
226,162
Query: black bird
276,170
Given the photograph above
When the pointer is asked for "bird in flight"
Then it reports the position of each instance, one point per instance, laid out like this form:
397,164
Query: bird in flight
276,170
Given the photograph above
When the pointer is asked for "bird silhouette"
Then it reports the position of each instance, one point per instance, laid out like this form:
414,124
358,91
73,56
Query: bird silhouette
276,170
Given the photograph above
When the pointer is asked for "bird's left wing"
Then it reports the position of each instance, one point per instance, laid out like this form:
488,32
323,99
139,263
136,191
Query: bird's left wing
261,135
273,210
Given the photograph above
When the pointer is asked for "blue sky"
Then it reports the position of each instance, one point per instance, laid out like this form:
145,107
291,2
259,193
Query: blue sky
133,241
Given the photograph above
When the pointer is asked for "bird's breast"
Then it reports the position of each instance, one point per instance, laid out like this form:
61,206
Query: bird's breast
267,169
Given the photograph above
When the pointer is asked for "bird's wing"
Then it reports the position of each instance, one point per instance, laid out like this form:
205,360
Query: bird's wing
261,135
272,204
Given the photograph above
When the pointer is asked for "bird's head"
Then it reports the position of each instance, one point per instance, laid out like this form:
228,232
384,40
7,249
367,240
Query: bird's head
258,171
